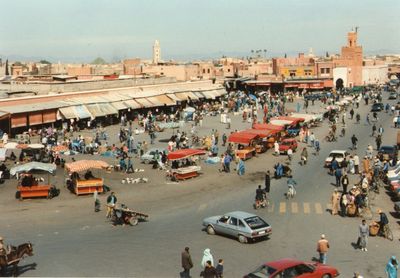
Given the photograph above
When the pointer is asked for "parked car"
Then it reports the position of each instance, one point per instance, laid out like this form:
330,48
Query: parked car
148,157
239,224
293,268
339,155
285,144
377,107
386,152
392,95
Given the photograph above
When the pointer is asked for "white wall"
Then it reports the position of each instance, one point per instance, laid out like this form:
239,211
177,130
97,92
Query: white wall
374,74
340,72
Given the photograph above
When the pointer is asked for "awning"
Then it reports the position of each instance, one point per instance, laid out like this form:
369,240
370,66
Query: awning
268,126
208,94
18,120
95,110
83,165
192,96
198,94
156,101
281,122
82,112
27,167
182,96
166,100
119,105
221,92
4,115
173,97
68,112
184,153
242,138
144,102
35,118
108,109
132,104
263,133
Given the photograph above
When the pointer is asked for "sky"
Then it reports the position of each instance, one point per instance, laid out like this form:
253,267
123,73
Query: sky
81,30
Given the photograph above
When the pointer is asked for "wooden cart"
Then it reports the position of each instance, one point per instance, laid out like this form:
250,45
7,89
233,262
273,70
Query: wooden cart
246,152
186,172
82,187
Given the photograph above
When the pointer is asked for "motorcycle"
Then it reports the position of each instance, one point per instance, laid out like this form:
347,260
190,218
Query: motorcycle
261,203
290,193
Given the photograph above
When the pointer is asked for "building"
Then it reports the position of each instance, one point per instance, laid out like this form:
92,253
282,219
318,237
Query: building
375,74
351,58
156,52
79,70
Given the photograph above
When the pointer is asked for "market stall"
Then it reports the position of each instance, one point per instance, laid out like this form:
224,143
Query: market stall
90,183
267,138
31,187
292,124
183,163
246,143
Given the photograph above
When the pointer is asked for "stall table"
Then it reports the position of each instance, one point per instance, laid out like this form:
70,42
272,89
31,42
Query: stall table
83,187
186,172
246,152
34,191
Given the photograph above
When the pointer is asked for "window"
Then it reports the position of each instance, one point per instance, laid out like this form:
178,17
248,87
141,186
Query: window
208,70
204,70
307,72
233,221
322,70
229,70
241,224
328,70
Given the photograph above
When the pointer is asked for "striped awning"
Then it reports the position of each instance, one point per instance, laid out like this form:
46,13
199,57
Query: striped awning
82,112
119,105
145,102
68,112
84,165
173,97
182,96
132,104
95,110
108,109
166,100
156,101
208,94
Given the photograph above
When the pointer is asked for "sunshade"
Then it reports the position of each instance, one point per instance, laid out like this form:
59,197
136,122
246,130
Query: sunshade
280,122
24,168
268,126
184,153
36,146
59,148
10,145
307,117
242,138
83,165
263,133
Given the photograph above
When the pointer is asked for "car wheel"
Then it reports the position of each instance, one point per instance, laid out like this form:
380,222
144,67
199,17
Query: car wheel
326,276
242,239
210,230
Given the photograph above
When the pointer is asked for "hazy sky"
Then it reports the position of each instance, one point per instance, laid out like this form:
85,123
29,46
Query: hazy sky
84,29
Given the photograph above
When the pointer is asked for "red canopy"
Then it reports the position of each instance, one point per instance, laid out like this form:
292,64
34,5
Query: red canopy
263,133
294,120
268,126
184,153
242,138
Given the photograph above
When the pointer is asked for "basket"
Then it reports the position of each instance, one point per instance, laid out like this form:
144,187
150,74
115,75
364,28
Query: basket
373,229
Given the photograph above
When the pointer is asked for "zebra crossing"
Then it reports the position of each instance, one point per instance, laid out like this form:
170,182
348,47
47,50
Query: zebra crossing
305,208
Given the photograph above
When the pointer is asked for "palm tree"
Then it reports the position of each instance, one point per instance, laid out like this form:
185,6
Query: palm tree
265,53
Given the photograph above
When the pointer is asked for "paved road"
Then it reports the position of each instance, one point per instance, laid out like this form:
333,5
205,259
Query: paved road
71,240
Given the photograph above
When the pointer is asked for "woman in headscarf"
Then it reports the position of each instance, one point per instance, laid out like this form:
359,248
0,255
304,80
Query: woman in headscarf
391,267
207,257
240,167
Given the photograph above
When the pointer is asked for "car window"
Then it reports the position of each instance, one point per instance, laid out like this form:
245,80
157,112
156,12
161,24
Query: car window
233,221
289,273
255,222
303,268
152,153
241,224
224,219
263,271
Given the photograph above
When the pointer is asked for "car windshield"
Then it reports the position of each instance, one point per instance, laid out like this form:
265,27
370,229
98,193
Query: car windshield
255,222
336,155
386,149
263,271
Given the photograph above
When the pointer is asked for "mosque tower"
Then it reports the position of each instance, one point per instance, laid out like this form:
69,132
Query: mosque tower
156,52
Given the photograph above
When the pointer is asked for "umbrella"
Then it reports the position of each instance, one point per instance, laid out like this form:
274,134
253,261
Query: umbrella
27,167
83,165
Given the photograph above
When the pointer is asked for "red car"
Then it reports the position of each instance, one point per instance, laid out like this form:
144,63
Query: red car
287,143
288,268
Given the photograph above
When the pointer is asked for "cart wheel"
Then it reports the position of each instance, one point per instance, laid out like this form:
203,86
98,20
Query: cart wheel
134,221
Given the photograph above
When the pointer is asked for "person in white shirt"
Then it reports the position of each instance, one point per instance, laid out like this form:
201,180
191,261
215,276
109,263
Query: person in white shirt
276,148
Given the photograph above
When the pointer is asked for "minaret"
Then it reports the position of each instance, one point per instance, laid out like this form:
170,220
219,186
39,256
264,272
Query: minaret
156,52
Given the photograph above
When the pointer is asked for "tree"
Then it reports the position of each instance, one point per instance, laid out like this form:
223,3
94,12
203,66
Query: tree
285,55
327,54
99,61
44,62
7,72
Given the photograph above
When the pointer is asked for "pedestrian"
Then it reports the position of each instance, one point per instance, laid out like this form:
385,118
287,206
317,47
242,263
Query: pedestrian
267,181
378,141
227,163
391,267
224,138
129,168
317,147
96,201
187,263
345,182
220,268
338,176
207,257
240,168
322,249
304,156
356,164
368,120
111,202
209,271
358,118
380,130
290,154
351,113
335,200
276,148
363,235
343,205
373,130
